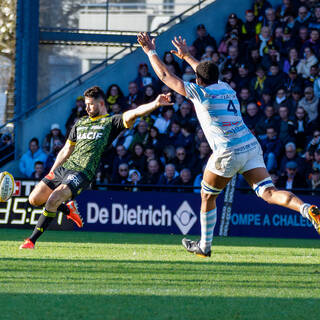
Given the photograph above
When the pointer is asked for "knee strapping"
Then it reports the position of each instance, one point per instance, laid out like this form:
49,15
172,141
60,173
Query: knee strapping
206,188
262,185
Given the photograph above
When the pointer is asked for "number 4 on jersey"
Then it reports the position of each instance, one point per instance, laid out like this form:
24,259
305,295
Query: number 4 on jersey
232,108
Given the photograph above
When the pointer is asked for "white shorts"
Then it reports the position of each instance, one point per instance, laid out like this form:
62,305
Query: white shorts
228,163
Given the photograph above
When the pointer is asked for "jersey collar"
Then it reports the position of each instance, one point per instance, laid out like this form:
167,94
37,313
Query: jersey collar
99,117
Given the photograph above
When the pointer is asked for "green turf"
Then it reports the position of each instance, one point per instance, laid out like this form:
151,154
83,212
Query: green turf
74,275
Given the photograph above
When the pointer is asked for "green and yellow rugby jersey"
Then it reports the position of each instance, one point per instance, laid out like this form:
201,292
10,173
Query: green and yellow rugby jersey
91,136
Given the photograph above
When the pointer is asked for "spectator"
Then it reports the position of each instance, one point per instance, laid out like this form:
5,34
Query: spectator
291,155
233,23
169,177
244,99
310,103
294,99
252,116
264,39
175,135
52,156
257,82
313,42
293,80
259,7
305,64
275,78
179,99
203,40
169,59
254,59
149,94
207,54
314,144
39,171
202,157
286,127
270,20
184,114
189,76
150,153
134,95
266,98
169,152
141,135
28,159
163,121
300,128
301,39
185,180
269,119
51,138
314,181
6,149
187,137
134,178
156,139
271,147
315,22
248,29
200,137
242,78
122,156
76,113
144,78
114,95
233,60
138,159
153,174
291,179
286,43
316,162
121,176
280,99
271,57
290,64
181,160
303,19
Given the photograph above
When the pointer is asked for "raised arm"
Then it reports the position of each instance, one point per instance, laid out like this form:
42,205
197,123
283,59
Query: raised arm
63,154
183,52
130,116
158,66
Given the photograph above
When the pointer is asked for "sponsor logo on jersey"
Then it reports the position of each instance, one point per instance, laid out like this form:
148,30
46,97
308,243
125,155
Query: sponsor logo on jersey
91,135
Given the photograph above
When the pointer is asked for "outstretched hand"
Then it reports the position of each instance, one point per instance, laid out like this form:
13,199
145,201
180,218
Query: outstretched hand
146,42
181,46
164,100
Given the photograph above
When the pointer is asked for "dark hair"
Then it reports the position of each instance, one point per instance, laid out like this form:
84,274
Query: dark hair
271,127
208,72
35,140
120,93
38,162
95,92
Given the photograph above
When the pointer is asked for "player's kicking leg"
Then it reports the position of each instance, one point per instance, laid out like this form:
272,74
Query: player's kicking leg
211,186
259,179
41,194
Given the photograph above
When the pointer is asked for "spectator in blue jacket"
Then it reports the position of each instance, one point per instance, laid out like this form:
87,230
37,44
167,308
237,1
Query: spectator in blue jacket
28,159
271,147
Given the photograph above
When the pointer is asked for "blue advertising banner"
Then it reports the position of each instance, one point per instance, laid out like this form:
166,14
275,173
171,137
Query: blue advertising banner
178,213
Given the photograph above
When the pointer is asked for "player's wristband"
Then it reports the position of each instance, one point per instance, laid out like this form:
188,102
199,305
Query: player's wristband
151,53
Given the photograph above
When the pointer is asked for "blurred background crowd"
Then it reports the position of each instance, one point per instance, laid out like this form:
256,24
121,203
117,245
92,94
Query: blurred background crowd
271,59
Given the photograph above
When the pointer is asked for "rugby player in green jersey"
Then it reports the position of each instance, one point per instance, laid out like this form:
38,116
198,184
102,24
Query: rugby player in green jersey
77,162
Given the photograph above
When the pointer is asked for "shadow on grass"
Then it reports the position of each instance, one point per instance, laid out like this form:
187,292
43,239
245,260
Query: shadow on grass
113,306
159,239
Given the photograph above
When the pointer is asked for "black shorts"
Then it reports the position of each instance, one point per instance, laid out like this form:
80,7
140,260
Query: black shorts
75,180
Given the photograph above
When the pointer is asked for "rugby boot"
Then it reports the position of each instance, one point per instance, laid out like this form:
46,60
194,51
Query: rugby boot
194,247
74,214
27,244
314,217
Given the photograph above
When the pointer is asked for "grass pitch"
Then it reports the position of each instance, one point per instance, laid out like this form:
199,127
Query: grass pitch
75,275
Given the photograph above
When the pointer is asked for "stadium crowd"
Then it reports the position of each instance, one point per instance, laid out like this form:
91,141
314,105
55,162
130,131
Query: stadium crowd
271,59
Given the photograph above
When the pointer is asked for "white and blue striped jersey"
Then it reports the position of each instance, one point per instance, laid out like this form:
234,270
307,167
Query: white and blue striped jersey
218,111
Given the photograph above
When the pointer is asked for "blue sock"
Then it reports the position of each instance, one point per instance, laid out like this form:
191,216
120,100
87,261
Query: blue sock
208,221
